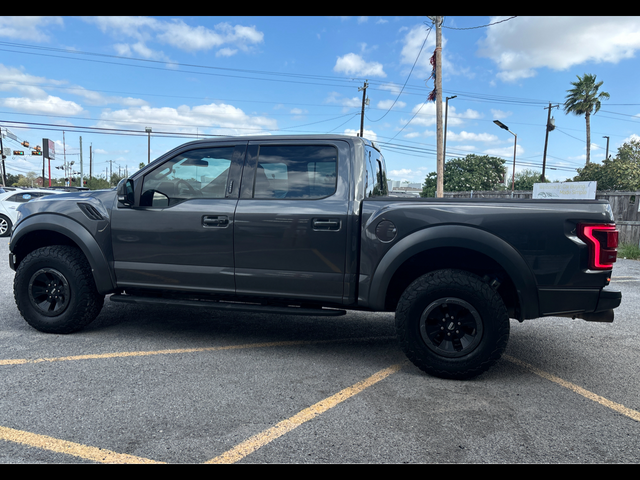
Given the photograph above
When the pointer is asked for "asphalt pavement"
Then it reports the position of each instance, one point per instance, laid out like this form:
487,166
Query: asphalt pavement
185,385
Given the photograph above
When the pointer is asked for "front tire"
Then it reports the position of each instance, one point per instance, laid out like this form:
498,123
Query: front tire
451,324
55,291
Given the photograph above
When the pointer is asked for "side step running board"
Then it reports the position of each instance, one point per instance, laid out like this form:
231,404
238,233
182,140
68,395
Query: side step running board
230,306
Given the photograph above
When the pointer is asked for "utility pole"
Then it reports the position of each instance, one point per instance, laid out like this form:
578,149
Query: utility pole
607,154
81,171
90,161
4,175
439,132
64,152
364,94
148,130
546,139
446,114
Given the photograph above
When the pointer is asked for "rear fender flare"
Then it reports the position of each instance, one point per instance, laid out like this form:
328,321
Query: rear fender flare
463,237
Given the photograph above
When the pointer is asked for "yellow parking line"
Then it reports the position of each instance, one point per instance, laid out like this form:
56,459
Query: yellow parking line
70,448
261,439
579,390
21,361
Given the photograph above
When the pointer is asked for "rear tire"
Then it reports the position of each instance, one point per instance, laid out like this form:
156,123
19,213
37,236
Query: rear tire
55,291
451,324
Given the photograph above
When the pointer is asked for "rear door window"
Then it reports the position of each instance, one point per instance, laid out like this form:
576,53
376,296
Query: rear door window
296,172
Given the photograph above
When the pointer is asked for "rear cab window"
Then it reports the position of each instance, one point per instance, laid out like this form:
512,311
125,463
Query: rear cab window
375,173
295,172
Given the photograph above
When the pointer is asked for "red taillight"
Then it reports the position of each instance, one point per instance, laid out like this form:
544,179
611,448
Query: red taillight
602,241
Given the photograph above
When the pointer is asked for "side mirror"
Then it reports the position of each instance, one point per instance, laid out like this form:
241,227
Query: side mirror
125,192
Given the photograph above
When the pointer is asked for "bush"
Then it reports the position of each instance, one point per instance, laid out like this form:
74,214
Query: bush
628,250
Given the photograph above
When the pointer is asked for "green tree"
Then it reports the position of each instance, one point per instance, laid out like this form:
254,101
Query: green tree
473,172
525,179
619,173
12,180
584,99
31,180
97,183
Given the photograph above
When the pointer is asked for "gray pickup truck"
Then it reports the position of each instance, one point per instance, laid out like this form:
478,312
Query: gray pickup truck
304,225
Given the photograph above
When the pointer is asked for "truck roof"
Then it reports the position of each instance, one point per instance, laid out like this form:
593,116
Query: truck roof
261,138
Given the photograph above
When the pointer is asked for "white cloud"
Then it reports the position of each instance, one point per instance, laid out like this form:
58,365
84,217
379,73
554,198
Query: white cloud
524,44
386,104
401,172
98,99
178,34
412,135
471,137
214,118
499,114
413,40
408,175
506,152
368,134
45,106
188,38
33,88
392,87
347,103
226,52
15,79
426,115
27,28
352,64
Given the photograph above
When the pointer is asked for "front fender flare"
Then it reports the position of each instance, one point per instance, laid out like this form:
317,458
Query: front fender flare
461,236
78,234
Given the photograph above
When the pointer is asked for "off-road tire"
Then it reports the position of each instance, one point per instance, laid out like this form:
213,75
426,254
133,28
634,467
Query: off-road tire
428,311
5,226
55,291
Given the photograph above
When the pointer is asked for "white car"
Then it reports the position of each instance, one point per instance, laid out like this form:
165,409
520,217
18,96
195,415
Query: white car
9,202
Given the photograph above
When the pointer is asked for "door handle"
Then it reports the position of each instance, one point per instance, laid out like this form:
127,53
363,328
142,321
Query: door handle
326,224
219,221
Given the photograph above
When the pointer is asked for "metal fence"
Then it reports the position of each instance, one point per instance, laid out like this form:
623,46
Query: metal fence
625,206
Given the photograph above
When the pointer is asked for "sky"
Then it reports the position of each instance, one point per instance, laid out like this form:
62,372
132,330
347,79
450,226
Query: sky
105,79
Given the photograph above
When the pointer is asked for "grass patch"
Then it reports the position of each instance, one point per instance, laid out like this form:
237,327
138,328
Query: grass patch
628,250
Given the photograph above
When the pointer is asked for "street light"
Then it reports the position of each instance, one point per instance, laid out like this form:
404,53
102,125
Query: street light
446,113
148,130
515,141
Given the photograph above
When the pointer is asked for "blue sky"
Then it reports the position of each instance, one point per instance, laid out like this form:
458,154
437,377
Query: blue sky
107,78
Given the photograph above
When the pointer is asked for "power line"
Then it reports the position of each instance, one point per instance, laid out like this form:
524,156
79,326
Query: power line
409,76
481,26
256,72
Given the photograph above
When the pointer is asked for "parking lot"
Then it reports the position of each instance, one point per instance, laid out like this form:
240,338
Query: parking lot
158,384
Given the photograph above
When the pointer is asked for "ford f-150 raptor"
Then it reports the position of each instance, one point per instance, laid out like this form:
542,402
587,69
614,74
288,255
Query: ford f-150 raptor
304,225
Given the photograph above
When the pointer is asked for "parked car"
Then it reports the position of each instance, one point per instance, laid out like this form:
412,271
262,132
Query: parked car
9,202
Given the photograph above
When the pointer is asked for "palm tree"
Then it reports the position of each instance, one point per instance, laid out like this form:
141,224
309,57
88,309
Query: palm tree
584,99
